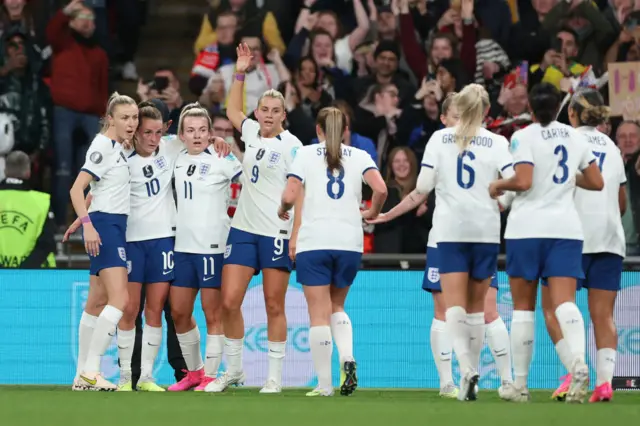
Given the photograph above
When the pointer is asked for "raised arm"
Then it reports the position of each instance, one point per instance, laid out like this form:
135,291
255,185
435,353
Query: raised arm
235,102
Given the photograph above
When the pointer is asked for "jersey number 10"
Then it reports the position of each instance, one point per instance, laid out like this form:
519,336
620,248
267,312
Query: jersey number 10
153,187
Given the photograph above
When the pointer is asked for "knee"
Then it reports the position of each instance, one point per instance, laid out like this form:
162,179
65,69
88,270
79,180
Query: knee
600,314
131,310
549,315
274,307
231,303
152,314
180,316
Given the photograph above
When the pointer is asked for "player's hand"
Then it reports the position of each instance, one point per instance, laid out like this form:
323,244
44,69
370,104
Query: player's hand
370,216
92,240
244,58
72,229
282,214
422,209
221,146
494,189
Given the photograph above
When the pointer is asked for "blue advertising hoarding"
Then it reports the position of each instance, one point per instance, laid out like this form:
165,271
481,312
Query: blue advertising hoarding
391,316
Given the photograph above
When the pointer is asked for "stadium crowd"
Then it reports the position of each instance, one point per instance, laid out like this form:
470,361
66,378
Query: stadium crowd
387,64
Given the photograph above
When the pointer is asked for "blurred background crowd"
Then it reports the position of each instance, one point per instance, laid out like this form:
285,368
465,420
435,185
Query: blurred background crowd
387,64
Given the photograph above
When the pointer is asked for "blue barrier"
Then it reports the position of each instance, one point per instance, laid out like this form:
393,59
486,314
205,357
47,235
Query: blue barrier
391,315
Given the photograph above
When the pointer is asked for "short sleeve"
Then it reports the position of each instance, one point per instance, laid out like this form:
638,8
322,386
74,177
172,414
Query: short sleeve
366,162
520,149
587,156
233,167
249,129
98,160
504,158
290,156
297,167
430,157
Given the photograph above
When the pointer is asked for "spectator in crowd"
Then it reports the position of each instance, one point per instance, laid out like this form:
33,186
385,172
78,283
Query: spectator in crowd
529,39
249,15
404,234
219,53
312,96
79,89
23,95
169,94
511,111
628,140
327,20
27,235
387,55
260,76
592,32
559,65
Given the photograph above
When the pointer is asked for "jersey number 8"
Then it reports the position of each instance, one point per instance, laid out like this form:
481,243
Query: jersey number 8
466,181
335,181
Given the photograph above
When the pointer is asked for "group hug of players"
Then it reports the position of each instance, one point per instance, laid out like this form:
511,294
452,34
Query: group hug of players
564,186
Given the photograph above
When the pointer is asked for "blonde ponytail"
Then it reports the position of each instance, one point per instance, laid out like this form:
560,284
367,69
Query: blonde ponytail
333,124
470,103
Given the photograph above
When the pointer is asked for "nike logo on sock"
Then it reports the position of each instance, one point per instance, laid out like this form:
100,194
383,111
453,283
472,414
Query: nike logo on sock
444,353
210,357
122,347
151,344
111,334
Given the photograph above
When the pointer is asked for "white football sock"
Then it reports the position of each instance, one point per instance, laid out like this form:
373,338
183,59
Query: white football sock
564,353
459,330
475,324
275,357
605,365
233,354
125,340
522,334
343,336
213,354
85,332
190,346
321,350
572,325
441,349
151,340
499,344
102,336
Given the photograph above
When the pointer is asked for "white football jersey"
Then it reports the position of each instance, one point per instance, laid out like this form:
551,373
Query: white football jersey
331,218
107,163
265,167
153,209
599,210
202,189
547,209
465,212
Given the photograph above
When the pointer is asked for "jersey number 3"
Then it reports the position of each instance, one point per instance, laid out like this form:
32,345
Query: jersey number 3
335,183
466,176
562,165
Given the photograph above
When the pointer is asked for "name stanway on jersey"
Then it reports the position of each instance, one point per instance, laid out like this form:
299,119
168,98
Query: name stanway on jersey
331,218
265,166
153,209
599,210
202,190
465,212
547,210
107,163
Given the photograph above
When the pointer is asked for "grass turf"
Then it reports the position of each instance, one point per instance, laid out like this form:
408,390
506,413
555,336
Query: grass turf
53,406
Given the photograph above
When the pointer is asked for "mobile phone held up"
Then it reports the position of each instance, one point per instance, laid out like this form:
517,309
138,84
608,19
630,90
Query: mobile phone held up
159,84
556,45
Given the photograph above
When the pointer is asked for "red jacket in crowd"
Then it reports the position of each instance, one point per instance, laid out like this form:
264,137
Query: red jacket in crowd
79,71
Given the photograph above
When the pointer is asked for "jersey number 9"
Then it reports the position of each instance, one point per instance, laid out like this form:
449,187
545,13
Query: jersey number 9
255,174
153,187
335,182
562,165
466,180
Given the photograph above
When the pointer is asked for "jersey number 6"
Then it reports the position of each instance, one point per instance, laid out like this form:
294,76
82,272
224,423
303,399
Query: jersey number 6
466,181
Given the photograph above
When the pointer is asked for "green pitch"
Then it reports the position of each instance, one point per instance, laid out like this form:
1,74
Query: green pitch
53,406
